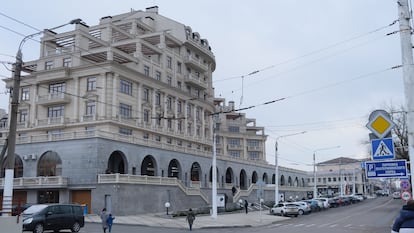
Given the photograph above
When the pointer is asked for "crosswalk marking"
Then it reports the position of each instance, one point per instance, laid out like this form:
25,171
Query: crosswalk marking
325,225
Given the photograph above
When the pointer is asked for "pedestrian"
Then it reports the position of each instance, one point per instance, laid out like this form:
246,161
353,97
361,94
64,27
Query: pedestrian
405,220
246,205
104,218
110,221
190,218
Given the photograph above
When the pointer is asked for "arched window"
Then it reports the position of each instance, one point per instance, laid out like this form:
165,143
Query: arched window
254,177
49,164
195,172
174,169
148,166
116,163
18,167
229,176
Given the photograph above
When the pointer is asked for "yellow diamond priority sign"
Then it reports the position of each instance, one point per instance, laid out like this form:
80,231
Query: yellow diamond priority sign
380,123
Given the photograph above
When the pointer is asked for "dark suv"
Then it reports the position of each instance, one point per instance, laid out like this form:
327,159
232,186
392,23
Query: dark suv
56,217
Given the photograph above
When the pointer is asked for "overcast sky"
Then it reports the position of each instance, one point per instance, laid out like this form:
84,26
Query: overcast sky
330,59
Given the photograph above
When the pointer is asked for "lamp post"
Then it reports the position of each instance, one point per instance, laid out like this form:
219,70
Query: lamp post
167,205
11,139
277,166
315,191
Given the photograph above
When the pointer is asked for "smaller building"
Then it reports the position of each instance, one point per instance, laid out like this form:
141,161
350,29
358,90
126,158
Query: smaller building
339,176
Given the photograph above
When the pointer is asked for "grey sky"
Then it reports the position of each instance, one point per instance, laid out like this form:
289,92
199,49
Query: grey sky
330,59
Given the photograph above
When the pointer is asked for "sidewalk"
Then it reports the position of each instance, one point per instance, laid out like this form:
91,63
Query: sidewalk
254,218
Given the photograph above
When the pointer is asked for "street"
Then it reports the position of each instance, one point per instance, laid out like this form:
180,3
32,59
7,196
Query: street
374,215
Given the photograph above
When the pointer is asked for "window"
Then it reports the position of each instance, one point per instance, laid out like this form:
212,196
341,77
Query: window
158,99
67,62
126,87
179,86
179,106
146,70
158,119
334,179
179,67
125,131
180,126
48,65
234,141
169,80
255,143
329,179
158,76
146,115
169,103
90,108
254,155
55,111
146,136
169,123
25,93
158,138
169,62
198,130
23,115
145,94
234,129
91,84
55,88
198,114
125,110
169,140
234,153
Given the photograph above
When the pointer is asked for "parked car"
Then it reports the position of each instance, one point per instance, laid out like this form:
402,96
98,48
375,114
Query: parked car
285,209
314,204
396,195
325,202
333,202
304,208
56,217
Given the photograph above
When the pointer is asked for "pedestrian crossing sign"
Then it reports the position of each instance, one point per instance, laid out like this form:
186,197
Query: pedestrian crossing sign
382,149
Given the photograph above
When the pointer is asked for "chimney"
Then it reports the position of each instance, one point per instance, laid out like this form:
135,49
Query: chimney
231,105
153,9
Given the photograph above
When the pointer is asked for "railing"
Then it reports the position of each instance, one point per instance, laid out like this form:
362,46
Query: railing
52,97
40,181
151,180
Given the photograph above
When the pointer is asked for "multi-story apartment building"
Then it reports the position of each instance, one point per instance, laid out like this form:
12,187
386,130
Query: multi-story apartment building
339,176
121,115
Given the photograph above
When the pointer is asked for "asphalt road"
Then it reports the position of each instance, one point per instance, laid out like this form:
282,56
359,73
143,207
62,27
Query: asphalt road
370,216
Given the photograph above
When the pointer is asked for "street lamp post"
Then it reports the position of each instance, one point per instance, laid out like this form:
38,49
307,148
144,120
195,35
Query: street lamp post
11,139
277,166
315,191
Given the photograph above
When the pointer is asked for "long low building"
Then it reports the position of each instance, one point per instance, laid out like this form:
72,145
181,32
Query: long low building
122,115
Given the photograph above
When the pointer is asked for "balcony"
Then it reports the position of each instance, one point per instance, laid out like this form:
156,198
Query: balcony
234,147
38,182
50,121
195,63
194,80
53,98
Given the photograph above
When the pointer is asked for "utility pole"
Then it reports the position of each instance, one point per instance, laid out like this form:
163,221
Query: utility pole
214,170
408,74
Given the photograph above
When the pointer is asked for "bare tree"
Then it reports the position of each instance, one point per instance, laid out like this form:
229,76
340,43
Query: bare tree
399,116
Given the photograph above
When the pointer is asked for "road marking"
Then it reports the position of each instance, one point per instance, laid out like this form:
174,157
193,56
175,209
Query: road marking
310,225
333,225
348,225
299,225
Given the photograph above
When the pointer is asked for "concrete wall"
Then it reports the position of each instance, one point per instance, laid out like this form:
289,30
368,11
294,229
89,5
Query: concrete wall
13,224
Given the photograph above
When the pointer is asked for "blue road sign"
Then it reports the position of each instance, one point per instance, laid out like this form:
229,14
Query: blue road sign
386,169
382,149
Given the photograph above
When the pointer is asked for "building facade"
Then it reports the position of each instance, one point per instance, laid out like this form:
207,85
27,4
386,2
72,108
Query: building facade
340,176
122,115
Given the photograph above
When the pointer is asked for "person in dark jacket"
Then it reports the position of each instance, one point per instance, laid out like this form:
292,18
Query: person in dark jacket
246,205
190,218
405,221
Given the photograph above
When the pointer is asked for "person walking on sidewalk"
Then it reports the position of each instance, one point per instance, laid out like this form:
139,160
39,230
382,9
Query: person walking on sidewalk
104,218
110,221
246,205
405,220
190,218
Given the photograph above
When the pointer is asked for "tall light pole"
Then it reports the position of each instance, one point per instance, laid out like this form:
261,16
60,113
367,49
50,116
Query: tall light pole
315,191
277,166
11,139
214,169
405,32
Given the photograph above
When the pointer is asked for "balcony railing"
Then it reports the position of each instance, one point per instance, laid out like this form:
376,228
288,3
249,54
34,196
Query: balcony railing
195,63
38,182
53,98
195,80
